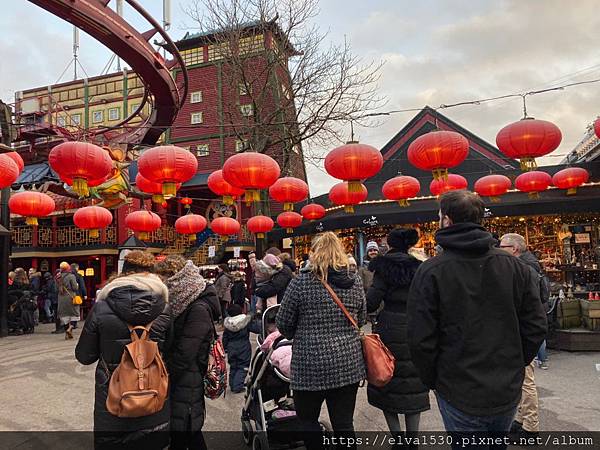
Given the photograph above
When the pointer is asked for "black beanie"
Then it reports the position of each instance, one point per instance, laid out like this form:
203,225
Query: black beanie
402,238
234,310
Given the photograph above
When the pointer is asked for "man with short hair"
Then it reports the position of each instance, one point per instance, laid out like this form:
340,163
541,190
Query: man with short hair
475,321
526,423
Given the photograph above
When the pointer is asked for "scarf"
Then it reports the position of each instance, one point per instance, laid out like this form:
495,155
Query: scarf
185,287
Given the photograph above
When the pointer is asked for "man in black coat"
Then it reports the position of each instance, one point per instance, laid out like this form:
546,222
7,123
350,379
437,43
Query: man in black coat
475,321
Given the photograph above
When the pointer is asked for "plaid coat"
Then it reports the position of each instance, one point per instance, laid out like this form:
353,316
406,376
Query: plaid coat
326,353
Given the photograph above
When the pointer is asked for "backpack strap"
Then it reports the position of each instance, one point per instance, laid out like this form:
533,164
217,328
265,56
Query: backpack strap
145,333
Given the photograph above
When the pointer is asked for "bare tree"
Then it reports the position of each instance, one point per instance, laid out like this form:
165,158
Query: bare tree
287,86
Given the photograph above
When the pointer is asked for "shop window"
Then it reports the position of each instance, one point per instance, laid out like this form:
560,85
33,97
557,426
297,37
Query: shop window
134,107
97,116
114,114
197,118
61,122
196,97
246,110
202,150
241,145
76,120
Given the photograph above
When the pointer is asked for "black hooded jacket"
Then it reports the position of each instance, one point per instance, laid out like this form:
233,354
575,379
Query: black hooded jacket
188,360
276,285
392,275
104,336
475,320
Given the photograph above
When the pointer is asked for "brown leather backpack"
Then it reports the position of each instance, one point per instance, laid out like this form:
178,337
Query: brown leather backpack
139,385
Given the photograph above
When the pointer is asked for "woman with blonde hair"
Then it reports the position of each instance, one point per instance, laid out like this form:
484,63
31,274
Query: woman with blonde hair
327,361
136,297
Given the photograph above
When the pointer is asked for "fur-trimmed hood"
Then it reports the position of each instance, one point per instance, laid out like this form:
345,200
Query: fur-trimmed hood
237,323
396,268
137,299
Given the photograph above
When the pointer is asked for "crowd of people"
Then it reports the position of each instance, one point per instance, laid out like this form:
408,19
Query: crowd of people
466,324
35,298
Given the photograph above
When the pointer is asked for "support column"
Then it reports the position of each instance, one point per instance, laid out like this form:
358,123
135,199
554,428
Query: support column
103,268
5,249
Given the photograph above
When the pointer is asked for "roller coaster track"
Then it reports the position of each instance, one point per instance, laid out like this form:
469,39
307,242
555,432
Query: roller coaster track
97,19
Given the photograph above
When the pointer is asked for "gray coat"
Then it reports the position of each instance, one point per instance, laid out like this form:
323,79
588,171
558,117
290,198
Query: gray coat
67,289
326,353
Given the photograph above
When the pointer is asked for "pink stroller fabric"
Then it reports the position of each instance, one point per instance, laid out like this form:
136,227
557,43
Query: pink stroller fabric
281,357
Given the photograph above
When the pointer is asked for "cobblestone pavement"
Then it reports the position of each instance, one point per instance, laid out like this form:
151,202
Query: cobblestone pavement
42,387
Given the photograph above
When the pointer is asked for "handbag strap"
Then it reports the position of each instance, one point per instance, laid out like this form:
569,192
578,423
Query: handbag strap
337,300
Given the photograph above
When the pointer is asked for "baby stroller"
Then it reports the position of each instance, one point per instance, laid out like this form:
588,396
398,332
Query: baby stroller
268,415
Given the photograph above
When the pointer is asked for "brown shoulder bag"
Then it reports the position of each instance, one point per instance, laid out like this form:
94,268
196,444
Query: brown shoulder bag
139,385
379,361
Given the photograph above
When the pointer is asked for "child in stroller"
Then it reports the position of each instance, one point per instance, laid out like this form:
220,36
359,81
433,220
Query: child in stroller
268,415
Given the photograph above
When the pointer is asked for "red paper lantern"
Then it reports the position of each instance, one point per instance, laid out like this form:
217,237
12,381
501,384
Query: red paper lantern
597,127
340,194
313,211
31,205
92,218
438,151
186,202
453,183
289,190
9,171
289,220
533,182
528,139
191,224
17,159
150,187
251,171
219,186
168,165
570,179
78,163
353,162
260,225
142,222
401,188
225,226
493,186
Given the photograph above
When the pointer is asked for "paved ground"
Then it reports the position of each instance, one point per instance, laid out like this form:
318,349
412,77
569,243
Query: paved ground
42,387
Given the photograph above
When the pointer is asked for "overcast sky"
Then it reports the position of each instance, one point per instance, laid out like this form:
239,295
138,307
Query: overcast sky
435,52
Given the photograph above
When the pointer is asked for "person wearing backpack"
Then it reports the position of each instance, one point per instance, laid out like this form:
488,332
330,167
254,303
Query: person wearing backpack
526,423
135,298
194,307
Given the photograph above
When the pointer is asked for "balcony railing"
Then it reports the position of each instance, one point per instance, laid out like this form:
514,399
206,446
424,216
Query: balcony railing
60,237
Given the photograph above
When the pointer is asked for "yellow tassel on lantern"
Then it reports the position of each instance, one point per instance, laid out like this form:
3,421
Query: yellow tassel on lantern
440,174
288,206
528,164
252,195
354,186
31,221
158,198
260,235
228,200
192,238
495,199
349,209
94,233
571,191
534,195
289,230
80,187
169,190
143,235
403,203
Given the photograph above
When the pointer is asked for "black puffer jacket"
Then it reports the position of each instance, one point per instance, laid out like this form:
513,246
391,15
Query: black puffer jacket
188,360
475,320
276,285
392,274
135,300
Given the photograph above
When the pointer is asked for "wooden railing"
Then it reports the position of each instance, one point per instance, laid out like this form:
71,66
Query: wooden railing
60,237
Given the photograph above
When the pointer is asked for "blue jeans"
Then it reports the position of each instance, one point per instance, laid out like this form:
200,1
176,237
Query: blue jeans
253,300
541,355
466,429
